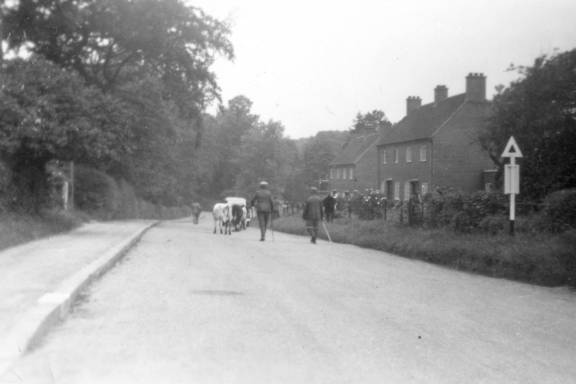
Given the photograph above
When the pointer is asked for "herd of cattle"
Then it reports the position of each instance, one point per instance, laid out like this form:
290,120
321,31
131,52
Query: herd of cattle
234,213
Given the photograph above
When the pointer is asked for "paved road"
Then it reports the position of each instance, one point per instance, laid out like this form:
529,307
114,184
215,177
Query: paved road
187,306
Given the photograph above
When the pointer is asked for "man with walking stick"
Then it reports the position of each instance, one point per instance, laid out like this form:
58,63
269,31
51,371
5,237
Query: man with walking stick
264,207
313,214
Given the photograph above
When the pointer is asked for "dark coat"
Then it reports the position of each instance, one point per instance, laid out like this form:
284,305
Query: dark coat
329,203
263,201
313,208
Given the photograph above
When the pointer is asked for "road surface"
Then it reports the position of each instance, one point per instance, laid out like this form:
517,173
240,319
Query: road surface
187,306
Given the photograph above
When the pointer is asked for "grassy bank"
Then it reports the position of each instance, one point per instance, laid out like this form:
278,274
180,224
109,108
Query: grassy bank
20,228
543,259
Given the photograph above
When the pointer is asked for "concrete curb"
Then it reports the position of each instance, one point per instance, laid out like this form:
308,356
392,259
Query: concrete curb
54,306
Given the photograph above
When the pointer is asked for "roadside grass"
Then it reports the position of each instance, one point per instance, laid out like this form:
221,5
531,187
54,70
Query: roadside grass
21,228
543,259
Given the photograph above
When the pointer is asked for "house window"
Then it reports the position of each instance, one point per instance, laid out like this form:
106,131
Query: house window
390,190
351,173
383,187
338,173
396,155
332,173
396,190
345,173
424,188
384,160
422,153
408,154
406,191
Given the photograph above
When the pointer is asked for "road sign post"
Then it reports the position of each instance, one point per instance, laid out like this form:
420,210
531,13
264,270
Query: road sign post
512,177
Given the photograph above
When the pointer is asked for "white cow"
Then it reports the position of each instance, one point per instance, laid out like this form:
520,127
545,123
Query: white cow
222,213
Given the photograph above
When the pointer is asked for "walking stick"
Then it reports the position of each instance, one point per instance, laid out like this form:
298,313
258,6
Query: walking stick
326,230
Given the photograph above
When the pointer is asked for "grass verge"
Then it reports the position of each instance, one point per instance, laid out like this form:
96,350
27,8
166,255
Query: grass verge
543,259
20,228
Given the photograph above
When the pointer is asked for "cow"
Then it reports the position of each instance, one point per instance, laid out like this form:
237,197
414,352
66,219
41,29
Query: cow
238,217
222,213
238,211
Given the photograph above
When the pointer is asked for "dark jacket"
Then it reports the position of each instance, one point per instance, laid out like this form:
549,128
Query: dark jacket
329,203
196,208
263,201
313,208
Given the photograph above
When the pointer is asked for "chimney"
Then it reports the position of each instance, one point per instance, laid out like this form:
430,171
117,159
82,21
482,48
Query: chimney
476,87
440,93
412,103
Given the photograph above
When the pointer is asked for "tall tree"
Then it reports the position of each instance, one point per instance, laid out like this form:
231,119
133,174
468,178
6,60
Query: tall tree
539,110
370,121
49,113
265,155
232,123
155,56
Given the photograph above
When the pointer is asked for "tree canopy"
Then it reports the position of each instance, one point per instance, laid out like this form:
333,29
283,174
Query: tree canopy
139,77
539,110
370,121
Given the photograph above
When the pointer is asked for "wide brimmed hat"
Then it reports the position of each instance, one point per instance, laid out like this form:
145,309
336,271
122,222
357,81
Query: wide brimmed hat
263,182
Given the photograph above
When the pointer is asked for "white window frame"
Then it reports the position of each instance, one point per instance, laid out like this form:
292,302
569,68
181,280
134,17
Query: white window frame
396,156
384,159
406,190
424,188
351,173
423,153
408,154
344,173
396,190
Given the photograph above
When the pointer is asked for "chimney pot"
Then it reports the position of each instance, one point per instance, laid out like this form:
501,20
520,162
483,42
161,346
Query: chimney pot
412,104
440,93
476,87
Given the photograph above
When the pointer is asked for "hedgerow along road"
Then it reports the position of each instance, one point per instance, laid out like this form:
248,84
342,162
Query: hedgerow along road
188,306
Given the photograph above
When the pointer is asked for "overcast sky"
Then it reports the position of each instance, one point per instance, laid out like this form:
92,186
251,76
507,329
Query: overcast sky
314,64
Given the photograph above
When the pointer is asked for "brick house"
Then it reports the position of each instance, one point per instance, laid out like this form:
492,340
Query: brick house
354,167
436,144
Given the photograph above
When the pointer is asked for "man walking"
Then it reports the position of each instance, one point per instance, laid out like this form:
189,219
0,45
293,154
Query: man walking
264,205
196,210
313,213
329,204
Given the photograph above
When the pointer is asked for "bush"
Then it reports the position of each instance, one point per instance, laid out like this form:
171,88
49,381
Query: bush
559,212
441,206
95,192
493,224
369,206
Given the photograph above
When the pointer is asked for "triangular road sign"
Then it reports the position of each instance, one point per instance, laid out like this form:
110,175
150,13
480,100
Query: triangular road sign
512,149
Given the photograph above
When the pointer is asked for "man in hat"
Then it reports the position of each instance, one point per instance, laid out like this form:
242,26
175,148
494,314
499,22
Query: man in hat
264,205
312,213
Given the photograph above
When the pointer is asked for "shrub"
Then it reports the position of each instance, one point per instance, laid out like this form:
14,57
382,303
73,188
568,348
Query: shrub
441,206
493,224
462,222
559,212
95,192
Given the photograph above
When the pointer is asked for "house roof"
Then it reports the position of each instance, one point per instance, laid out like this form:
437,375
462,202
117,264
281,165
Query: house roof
423,122
355,148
